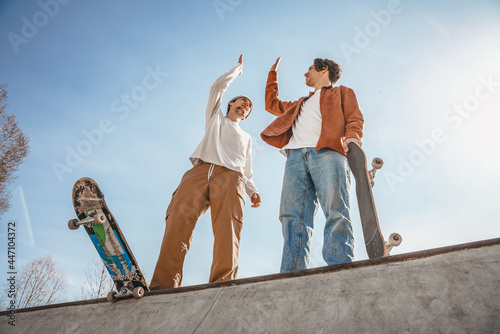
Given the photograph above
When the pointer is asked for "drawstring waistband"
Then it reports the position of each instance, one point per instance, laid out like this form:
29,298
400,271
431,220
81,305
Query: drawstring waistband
210,171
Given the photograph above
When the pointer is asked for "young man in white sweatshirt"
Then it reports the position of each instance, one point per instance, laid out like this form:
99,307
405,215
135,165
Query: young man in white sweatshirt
221,175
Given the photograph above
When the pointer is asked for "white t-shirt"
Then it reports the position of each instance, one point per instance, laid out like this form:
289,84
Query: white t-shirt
306,128
225,143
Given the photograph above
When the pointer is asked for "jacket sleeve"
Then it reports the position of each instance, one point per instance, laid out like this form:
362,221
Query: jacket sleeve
353,117
218,89
273,104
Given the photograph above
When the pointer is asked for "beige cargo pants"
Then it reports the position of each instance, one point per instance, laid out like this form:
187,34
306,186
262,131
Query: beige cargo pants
202,187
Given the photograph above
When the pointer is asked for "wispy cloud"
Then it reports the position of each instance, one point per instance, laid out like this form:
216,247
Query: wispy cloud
27,217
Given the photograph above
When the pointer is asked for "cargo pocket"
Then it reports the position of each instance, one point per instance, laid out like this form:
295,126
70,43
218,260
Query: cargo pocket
169,208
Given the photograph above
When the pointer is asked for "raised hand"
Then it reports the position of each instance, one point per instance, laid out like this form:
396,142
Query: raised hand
240,61
275,66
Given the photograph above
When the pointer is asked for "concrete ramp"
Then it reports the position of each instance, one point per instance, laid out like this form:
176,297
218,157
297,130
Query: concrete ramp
447,290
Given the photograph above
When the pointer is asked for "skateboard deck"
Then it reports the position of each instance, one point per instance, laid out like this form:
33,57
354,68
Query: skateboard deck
104,232
374,241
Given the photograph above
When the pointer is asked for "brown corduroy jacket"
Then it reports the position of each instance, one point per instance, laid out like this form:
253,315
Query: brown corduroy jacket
341,117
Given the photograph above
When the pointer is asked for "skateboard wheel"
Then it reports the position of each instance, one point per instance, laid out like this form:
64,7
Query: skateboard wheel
395,239
138,292
377,163
99,219
111,296
73,224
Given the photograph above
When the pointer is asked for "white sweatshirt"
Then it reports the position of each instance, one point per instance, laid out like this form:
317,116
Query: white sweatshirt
225,143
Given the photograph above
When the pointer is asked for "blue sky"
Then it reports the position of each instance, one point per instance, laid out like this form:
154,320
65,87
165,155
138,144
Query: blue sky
124,84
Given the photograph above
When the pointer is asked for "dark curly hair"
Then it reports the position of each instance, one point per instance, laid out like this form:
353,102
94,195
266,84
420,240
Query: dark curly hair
334,70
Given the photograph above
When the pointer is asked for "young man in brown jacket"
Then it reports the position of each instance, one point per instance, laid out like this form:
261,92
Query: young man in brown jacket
221,175
313,133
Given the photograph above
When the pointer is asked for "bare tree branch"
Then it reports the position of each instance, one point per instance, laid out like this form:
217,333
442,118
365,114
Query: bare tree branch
98,281
13,150
40,283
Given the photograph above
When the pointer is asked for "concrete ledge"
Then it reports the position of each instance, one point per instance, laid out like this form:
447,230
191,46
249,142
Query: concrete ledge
446,290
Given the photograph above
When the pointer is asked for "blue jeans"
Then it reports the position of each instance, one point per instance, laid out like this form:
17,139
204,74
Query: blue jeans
312,179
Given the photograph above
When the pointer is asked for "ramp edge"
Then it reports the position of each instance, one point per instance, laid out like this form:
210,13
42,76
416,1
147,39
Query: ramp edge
300,273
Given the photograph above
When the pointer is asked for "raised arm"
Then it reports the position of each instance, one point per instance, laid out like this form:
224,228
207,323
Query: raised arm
220,86
273,104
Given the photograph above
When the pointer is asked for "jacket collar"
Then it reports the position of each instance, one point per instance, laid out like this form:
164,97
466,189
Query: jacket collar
326,87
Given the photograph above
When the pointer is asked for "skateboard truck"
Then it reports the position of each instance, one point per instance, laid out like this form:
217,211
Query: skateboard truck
394,240
377,163
128,289
96,217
